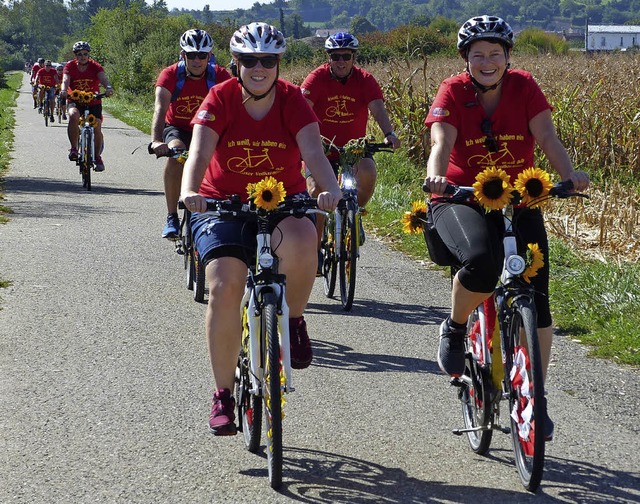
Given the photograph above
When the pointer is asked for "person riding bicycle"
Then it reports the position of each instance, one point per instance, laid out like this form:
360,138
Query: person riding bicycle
256,112
174,108
47,80
86,75
34,85
342,95
472,111
63,103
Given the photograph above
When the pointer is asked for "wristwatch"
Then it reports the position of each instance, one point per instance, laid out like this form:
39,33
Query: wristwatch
391,133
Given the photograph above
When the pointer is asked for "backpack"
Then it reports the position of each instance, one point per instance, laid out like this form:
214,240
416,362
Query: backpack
182,76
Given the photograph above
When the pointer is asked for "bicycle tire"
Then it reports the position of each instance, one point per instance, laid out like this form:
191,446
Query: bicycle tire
198,277
272,389
87,156
528,447
46,113
249,405
477,407
348,257
329,259
187,248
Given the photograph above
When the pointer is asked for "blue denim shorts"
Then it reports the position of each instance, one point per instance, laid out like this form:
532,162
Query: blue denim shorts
215,236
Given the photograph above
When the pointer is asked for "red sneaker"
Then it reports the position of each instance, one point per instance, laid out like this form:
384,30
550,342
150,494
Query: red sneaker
222,419
301,353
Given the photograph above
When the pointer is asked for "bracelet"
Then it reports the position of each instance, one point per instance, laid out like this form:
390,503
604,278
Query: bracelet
391,133
108,87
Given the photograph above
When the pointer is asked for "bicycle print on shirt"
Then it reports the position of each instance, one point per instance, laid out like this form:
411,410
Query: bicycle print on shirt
503,158
338,111
255,159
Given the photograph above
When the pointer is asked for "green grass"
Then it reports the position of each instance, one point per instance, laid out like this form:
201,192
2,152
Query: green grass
8,96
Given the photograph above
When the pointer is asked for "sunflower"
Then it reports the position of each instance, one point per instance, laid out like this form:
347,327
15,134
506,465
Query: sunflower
535,261
86,96
534,185
182,158
75,95
267,193
413,221
354,150
493,188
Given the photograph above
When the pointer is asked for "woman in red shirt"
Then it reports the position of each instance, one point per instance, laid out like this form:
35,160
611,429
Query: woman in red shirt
489,115
267,122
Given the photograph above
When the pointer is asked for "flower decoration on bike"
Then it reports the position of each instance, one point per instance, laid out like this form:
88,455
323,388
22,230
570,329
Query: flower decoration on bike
534,185
535,261
354,150
81,97
267,194
413,221
493,188
182,158
91,119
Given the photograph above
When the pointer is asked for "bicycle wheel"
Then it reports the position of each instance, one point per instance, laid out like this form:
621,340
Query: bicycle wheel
328,249
46,112
87,157
249,405
523,377
272,389
59,110
348,257
187,248
198,277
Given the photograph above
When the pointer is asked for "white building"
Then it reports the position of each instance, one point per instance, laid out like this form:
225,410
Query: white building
612,37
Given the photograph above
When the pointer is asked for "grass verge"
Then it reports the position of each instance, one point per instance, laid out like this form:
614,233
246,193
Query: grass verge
8,96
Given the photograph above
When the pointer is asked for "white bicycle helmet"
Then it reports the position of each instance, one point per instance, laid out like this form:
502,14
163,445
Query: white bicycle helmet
196,41
485,28
257,38
81,46
341,40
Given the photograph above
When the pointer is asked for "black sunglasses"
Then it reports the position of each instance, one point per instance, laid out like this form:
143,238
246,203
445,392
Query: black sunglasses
338,57
194,55
490,143
266,62
82,54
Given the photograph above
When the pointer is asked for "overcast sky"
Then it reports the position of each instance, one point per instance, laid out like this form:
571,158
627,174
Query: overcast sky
213,4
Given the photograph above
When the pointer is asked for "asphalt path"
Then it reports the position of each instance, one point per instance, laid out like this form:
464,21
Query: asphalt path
105,383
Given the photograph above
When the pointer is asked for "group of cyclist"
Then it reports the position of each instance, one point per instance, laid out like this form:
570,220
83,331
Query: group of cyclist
81,74
200,107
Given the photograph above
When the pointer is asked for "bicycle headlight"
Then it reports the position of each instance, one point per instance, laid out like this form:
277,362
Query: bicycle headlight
515,264
265,260
348,183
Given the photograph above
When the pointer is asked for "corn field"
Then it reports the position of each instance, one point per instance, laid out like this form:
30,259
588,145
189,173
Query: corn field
596,102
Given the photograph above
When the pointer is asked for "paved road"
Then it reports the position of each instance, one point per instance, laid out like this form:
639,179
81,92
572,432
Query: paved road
105,382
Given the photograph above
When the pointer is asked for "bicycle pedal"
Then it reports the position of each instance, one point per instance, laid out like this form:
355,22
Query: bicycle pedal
456,382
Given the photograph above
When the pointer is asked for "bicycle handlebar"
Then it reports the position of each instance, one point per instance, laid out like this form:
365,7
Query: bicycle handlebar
298,207
563,189
174,152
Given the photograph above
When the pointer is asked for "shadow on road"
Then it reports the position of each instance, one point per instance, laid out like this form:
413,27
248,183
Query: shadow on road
392,312
330,478
333,355
44,185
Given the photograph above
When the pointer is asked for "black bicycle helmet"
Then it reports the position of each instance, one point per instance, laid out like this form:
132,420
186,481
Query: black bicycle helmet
485,28
81,46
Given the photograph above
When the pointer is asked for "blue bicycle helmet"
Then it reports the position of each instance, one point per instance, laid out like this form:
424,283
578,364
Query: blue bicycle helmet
341,40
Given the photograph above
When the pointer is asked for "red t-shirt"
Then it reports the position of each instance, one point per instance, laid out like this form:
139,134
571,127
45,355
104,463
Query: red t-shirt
343,109
182,110
455,103
46,77
86,80
250,150
34,70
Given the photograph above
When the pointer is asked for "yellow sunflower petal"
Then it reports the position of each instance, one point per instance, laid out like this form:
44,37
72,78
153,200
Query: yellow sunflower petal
493,188
535,261
533,184
413,221
268,193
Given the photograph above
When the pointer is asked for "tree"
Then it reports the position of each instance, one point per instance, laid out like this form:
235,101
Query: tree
361,26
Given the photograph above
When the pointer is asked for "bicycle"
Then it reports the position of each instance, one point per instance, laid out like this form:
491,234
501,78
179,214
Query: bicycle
184,245
503,330
46,110
341,235
86,146
59,107
264,373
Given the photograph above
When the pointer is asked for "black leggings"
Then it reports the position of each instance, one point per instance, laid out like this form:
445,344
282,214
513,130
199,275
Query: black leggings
475,240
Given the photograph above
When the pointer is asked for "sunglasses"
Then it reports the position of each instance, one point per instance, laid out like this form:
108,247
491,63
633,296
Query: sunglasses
80,54
199,55
490,142
47,66
338,57
266,62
